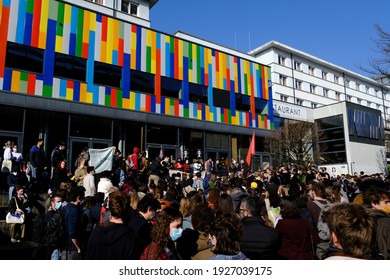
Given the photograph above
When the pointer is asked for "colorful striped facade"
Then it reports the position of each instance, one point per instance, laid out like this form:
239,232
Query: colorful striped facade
59,27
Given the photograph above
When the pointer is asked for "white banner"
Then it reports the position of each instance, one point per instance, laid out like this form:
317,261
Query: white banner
101,159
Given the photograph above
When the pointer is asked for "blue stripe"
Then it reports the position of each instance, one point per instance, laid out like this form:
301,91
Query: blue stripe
138,48
90,66
185,85
162,105
239,74
27,30
7,79
167,60
76,91
126,75
153,104
72,44
21,22
63,88
49,54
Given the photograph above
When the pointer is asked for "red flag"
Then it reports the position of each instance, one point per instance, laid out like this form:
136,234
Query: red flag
251,150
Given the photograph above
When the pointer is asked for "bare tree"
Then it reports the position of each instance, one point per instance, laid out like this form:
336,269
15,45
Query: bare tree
380,66
295,143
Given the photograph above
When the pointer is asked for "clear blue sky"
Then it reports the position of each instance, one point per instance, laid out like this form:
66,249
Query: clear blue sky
338,31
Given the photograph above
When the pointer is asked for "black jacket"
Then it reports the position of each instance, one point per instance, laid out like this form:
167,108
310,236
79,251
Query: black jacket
111,241
258,242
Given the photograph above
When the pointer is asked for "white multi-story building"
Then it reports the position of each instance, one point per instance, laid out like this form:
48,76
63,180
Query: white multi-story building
308,88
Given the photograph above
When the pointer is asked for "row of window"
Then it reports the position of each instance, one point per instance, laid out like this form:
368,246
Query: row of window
31,59
326,76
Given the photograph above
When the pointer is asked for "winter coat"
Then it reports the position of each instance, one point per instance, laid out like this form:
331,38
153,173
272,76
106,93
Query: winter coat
258,242
111,241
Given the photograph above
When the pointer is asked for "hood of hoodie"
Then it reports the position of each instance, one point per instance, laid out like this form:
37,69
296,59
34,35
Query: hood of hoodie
135,150
109,233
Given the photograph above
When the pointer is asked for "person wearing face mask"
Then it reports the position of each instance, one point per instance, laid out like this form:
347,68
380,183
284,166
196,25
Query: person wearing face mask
53,227
166,230
378,199
141,220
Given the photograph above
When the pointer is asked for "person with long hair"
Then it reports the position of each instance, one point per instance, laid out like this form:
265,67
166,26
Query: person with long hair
113,239
166,230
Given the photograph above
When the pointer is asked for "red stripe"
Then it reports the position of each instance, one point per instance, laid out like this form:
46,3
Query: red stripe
148,102
228,79
70,84
226,115
120,52
176,62
3,38
84,50
216,61
104,29
157,80
31,83
177,106
35,23
265,122
247,119
113,97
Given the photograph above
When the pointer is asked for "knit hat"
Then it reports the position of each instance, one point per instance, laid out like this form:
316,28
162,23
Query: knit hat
254,185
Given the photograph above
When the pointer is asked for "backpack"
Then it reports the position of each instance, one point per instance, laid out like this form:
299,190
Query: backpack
129,161
322,226
154,166
56,235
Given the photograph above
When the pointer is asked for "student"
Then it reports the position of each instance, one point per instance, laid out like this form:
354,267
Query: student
353,231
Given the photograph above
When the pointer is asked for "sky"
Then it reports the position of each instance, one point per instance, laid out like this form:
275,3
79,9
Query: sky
341,32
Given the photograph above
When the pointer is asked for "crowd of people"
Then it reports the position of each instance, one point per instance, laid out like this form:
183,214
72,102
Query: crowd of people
196,210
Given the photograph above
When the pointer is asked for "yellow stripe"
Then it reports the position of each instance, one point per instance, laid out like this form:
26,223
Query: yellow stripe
86,26
92,21
69,94
132,100
110,39
58,43
15,84
67,14
43,24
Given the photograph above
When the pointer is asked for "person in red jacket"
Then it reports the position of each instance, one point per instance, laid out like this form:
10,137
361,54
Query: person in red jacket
132,160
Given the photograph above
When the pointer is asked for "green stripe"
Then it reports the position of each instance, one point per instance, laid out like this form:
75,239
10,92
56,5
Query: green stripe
47,91
79,37
230,116
30,6
186,112
246,84
119,96
60,19
107,99
23,76
148,59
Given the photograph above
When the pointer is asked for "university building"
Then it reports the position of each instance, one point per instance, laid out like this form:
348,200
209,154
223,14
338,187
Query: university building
93,73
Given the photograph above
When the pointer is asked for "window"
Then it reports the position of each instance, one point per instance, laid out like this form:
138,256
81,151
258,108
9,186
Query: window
171,87
283,80
347,83
282,60
243,102
357,86
198,93
312,88
368,104
349,98
260,106
70,67
337,95
130,8
311,70
141,82
325,92
359,101
221,98
24,58
283,98
299,102
107,75
314,105
324,75
297,65
298,84
336,79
